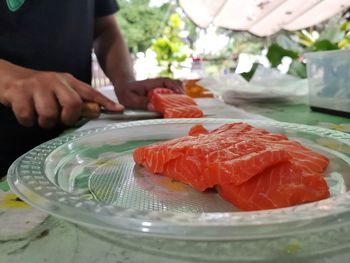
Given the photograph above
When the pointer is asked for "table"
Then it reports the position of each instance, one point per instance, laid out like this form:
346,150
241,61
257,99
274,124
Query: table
29,235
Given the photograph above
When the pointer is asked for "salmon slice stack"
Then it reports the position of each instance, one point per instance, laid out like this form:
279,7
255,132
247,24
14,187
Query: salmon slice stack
251,168
206,160
300,180
173,105
285,184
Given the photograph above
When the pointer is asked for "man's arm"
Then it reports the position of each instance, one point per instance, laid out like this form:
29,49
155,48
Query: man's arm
112,52
115,60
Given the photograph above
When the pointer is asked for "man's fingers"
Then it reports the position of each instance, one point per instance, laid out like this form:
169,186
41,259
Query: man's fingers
150,107
93,95
24,110
149,84
135,94
70,101
47,108
175,85
87,93
137,102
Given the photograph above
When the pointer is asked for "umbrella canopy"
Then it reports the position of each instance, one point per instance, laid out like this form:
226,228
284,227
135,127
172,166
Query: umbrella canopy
262,17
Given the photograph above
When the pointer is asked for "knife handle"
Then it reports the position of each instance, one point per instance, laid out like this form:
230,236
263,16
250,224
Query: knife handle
91,110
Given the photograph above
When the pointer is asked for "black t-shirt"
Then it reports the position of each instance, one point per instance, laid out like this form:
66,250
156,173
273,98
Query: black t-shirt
49,35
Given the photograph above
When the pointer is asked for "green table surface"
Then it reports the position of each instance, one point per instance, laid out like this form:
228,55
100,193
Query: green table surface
297,113
28,235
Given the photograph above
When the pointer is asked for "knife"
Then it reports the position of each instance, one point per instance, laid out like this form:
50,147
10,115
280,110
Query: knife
92,110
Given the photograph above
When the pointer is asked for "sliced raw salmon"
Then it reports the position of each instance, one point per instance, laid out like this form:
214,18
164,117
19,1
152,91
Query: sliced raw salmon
183,112
174,105
202,173
155,156
197,129
305,158
239,156
310,160
285,184
164,101
220,158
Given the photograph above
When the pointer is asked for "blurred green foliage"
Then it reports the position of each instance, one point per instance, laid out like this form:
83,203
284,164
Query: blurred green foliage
140,23
169,48
331,37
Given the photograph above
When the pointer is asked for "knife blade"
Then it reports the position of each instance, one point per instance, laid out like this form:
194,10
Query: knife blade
92,110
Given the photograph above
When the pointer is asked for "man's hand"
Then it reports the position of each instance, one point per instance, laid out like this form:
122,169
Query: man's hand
133,94
46,97
114,58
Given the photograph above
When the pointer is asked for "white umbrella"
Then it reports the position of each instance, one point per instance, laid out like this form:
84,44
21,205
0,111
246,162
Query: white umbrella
262,17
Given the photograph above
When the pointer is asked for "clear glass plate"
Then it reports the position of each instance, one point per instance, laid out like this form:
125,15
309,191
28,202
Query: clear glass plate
89,178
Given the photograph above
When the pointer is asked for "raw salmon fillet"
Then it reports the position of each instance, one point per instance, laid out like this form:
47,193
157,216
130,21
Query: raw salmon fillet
297,181
183,112
301,175
285,184
173,105
252,168
206,160
163,101
197,129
